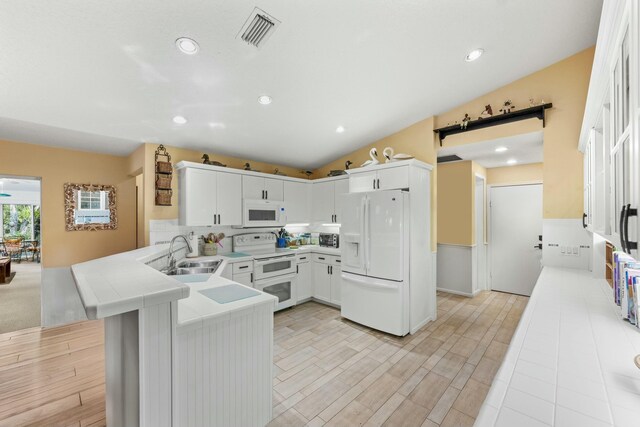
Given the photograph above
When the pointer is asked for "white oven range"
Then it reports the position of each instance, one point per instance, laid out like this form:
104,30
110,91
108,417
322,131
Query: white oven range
274,272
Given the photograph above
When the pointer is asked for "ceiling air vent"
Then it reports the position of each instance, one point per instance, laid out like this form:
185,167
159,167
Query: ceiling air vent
258,28
451,158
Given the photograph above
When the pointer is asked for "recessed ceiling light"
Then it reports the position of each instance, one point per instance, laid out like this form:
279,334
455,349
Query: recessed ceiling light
501,149
340,129
512,161
474,54
264,99
187,45
179,120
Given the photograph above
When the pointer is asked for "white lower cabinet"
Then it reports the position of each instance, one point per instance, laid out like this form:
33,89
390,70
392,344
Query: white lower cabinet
304,289
327,282
336,284
321,282
243,273
244,279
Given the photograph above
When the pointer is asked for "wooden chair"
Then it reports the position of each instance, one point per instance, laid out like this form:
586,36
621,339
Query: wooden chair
14,248
32,247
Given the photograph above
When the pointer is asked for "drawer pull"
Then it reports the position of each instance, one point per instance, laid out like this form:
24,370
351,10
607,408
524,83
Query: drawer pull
244,266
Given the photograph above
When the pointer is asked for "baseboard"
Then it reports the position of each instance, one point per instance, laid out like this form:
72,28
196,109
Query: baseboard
464,294
420,325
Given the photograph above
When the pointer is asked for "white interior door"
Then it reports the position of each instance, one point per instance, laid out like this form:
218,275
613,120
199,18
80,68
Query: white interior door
481,252
516,223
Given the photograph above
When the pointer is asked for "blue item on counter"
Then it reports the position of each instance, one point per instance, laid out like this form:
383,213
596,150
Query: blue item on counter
281,242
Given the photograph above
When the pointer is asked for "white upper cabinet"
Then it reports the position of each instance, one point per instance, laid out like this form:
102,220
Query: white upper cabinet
610,131
208,198
228,198
322,201
197,197
297,199
382,179
362,181
274,189
340,187
258,188
326,200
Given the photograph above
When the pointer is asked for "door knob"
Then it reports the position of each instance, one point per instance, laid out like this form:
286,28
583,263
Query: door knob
538,246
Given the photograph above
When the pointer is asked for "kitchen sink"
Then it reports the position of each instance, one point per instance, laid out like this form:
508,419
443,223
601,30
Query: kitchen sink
199,264
187,267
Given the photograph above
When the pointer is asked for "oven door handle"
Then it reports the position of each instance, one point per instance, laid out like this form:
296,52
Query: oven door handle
264,261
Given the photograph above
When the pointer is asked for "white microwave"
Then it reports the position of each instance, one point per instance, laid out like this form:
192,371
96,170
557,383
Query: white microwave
263,213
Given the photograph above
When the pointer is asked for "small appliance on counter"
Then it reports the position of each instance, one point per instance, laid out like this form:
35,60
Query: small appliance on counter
330,240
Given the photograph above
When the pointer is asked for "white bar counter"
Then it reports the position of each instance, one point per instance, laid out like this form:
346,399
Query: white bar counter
170,350
570,362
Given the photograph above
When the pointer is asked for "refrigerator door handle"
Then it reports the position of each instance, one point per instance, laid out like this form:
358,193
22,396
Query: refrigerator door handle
367,282
367,234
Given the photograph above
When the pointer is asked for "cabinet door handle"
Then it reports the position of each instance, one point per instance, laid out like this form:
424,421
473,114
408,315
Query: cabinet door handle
266,194
328,270
584,223
251,277
378,181
243,266
215,219
262,194
621,228
297,270
331,269
374,183
219,220
629,212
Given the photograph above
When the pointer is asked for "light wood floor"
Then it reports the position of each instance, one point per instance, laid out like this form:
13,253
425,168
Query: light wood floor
328,371
333,372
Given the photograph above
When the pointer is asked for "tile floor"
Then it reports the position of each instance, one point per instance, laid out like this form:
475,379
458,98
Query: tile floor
333,372
328,371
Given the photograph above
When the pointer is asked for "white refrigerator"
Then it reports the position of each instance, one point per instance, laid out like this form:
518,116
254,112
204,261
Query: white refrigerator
374,240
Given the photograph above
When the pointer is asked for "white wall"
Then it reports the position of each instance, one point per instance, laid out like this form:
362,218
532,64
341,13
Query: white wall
566,233
454,267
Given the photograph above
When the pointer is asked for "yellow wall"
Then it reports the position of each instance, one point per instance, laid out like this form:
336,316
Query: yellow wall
456,202
455,198
565,84
417,140
146,161
57,166
521,174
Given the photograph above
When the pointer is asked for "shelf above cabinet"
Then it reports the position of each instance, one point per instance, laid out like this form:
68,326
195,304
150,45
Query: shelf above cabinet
537,112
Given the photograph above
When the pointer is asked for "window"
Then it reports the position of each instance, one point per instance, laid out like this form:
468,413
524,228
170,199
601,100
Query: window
92,200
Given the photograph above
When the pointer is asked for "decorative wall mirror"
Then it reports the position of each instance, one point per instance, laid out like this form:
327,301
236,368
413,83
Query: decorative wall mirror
90,207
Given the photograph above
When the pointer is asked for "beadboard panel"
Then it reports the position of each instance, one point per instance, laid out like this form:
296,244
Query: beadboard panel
155,365
224,371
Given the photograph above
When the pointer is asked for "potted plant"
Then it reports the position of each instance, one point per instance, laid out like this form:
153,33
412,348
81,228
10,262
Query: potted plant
211,242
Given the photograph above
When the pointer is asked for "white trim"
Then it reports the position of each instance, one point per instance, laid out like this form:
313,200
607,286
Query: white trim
464,294
455,244
420,325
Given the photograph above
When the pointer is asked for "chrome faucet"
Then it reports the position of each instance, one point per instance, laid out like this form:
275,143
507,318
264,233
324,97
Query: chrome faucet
172,259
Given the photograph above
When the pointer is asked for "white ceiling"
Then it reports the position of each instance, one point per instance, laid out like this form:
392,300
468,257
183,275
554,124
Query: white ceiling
110,70
9,185
525,148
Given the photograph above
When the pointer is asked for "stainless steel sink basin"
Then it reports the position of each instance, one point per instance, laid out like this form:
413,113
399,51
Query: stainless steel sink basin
209,267
192,264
